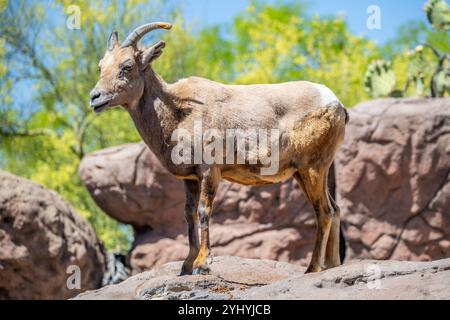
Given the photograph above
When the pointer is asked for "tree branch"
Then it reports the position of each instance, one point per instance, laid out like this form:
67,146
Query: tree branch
14,133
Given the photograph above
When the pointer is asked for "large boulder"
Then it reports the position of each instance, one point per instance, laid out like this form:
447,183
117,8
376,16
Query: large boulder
393,179
236,278
43,242
129,184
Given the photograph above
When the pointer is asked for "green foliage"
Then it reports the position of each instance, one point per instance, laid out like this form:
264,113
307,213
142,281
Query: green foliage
417,63
46,144
417,68
424,70
438,14
281,43
440,81
379,79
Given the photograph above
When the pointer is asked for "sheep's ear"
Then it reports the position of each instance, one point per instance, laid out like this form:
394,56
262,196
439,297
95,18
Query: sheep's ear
113,40
152,53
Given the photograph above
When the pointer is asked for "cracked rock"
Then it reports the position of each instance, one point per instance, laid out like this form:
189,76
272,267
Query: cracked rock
393,179
234,278
43,242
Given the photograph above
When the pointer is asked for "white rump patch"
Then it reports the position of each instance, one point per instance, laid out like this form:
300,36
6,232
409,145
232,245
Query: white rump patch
326,95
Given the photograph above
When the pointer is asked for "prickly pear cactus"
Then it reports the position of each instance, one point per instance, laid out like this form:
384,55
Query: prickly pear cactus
379,80
438,13
440,82
417,67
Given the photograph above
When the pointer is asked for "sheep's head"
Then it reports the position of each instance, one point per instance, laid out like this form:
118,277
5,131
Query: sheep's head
122,69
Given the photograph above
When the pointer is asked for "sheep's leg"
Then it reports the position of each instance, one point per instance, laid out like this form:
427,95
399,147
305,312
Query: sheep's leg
314,184
332,258
192,189
209,184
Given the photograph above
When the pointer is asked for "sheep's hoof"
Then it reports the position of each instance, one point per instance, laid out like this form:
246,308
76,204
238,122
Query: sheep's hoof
185,271
201,270
314,268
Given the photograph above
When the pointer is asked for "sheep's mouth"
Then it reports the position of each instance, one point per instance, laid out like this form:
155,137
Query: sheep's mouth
99,107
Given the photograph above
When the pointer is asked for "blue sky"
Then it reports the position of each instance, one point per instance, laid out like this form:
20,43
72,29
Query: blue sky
393,13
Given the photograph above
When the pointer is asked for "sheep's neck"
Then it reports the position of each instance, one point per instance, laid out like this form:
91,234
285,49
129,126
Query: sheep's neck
156,116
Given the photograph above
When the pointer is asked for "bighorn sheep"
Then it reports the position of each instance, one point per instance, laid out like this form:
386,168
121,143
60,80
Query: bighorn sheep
310,118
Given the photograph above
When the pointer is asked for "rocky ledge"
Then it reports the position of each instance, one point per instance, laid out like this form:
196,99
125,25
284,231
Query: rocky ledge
238,278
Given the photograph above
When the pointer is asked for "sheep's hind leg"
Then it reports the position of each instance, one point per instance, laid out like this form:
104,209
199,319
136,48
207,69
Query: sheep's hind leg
332,257
314,184
209,185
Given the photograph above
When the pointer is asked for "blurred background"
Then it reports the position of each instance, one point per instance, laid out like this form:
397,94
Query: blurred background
49,51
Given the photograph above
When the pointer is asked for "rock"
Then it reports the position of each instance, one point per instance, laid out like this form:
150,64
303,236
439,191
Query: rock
41,236
228,274
393,179
238,278
365,280
268,222
129,184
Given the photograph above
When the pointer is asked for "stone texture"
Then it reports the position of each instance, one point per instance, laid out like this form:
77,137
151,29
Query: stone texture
229,273
128,183
237,278
40,237
393,179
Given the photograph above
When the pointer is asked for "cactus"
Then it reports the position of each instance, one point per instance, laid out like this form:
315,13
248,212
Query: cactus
379,80
416,70
438,14
440,82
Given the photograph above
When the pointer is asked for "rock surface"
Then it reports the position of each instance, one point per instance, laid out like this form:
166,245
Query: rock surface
130,185
237,278
40,237
393,180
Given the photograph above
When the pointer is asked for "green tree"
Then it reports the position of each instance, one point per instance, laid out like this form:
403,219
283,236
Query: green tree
46,140
281,43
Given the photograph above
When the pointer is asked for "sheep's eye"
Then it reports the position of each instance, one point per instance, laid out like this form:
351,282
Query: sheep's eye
125,68
127,65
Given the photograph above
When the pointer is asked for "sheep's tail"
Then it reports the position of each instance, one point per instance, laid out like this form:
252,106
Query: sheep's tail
347,115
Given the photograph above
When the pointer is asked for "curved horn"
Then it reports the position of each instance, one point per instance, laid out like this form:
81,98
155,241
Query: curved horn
139,32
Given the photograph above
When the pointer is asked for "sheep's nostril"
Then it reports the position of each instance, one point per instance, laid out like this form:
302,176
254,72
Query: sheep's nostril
95,95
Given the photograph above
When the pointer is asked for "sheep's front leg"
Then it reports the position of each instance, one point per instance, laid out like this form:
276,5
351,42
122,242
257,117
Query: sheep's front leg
192,189
209,184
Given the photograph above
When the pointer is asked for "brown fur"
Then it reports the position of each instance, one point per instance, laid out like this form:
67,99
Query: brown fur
310,136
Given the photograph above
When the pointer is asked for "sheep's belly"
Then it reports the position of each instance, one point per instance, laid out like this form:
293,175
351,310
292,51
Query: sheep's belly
248,175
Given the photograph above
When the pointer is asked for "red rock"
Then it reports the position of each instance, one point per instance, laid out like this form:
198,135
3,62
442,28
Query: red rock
393,179
41,236
246,279
130,184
